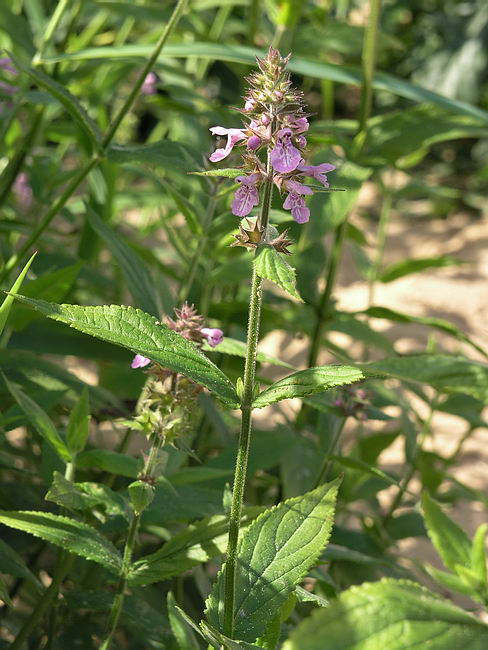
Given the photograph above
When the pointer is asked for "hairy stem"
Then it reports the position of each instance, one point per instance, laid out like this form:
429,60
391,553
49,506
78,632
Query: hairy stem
97,156
246,421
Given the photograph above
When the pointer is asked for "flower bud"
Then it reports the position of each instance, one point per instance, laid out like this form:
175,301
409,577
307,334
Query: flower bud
265,119
254,142
141,494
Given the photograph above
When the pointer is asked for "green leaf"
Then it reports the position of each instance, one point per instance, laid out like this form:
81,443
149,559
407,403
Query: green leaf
142,333
66,494
346,74
239,349
4,595
406,267
273,555
361,466
40,420
12,564
85,496
165,154
108,461
224,173
398,615
478,554
79,423
74,536
445,373
308,382
449,580
271,265
196,543
138,279
183,632
7,303
450,541
304,596
436,323
69,101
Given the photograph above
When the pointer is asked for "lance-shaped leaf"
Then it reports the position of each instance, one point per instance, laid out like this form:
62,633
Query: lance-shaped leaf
272,557
40,420
271,265
450,541
79,423
143,334
7,303
446,373
393,614
308,382
69,101
224,173
72,535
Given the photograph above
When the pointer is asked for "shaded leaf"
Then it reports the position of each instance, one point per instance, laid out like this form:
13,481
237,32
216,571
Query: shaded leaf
72,535
79,423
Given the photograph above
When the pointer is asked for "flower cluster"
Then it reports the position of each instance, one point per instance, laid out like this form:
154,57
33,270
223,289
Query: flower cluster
190,325
276,122
354,403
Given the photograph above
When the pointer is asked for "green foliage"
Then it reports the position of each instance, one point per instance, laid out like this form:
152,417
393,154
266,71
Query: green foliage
273,555
397,614
72,535
141,333
271,265
79,424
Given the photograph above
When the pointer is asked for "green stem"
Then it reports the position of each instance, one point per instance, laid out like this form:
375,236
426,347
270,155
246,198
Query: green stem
187,284
369,63
246,422
324,470
324,305
97,157
44,603
253,18
50,29
120,593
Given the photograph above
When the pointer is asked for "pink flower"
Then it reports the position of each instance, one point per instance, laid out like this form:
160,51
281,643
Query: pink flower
318,172
6,64
296,204
247,195
285,157
149,87
254,142
294,186
249,105
300,124
140,362
213,335
233,137
23,191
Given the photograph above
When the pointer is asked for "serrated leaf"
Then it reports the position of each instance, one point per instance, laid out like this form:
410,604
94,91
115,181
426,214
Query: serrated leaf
393,614
273,555
143,334
74,536
449,580
271,265
6,305
40,420
138,279
224,173
69,101
450,541
79,424
307,382
304,596
65,493
445,373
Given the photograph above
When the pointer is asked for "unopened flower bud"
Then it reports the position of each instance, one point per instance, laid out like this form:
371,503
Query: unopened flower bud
301,141
254,142
249,105
278,95
265,119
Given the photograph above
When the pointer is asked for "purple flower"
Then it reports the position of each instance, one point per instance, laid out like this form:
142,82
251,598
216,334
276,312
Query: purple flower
300,124
318,172
250,104
233,137
140,362
285,157
213,335
149,87
6,64
296,204
23,191
254,142
298,188
247,195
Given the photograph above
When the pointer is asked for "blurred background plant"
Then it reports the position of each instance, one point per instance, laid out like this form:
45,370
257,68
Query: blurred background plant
399,94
